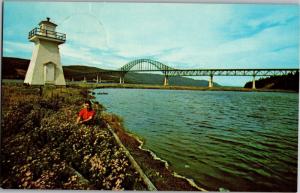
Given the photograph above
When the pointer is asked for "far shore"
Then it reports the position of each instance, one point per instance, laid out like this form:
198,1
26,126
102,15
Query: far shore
170,87
93,85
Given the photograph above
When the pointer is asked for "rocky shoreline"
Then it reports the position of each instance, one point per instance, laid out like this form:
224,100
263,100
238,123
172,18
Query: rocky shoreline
156,169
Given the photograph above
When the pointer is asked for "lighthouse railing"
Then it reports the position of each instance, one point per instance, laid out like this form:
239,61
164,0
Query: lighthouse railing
47,33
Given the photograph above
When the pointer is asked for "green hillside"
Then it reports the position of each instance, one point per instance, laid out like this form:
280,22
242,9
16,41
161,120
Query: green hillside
15,68
76,73
142,78
285,82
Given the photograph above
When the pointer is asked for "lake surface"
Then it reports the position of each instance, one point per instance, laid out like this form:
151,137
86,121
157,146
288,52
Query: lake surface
239,141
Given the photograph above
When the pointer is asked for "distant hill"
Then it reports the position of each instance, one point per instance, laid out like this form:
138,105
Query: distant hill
15,68
75,72
285,82
143,78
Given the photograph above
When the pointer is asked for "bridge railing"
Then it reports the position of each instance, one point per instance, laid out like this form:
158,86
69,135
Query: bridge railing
232,72
208,72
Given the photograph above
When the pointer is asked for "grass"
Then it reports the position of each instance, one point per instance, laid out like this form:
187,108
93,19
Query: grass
43,148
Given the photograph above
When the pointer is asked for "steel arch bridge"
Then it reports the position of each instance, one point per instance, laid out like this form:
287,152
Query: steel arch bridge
145,65
148,65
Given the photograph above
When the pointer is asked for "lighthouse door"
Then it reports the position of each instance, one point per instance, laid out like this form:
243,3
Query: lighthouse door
49,73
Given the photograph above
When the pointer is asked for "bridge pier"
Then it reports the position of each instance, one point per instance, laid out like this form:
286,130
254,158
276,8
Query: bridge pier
122,80
253,83
98,80
166,81
210,81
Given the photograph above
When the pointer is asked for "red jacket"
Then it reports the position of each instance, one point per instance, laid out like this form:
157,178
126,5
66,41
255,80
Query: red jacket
85,114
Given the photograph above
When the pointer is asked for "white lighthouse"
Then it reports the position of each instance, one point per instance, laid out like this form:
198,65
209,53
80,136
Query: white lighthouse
45,67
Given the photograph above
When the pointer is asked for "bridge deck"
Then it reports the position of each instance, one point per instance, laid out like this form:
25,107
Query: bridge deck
211,72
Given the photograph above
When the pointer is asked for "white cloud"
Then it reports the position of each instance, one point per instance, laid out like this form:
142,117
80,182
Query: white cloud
82,55
84,30
15,47
278,17
272,47
8,50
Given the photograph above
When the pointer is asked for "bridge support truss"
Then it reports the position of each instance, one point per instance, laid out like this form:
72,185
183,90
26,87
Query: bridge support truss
210,81
122,79
98,80
253,82
166,81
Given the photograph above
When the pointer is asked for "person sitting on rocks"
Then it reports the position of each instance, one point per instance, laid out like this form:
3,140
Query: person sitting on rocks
86,115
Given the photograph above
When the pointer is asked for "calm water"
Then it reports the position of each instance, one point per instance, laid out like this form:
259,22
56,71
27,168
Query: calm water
239,141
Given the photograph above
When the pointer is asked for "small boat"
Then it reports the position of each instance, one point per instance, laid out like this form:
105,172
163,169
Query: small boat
102,93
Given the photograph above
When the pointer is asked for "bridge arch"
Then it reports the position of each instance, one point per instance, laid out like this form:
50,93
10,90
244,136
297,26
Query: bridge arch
145,65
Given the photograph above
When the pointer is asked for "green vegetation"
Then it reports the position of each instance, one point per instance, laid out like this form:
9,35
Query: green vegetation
43,148
285,82
76,73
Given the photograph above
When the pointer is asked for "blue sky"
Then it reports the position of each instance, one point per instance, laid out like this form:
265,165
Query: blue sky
109,35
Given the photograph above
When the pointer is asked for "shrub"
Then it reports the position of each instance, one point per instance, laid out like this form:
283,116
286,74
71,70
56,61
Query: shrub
43,148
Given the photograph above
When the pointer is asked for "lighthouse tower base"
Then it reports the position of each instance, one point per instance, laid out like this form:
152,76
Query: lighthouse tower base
45,67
